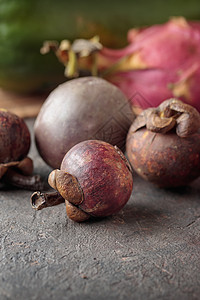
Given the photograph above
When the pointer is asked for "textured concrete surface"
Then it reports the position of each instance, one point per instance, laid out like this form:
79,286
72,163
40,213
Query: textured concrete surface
150,250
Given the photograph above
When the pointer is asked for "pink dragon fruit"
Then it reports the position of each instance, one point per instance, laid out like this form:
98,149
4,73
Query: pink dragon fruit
160,62
149,87
163,61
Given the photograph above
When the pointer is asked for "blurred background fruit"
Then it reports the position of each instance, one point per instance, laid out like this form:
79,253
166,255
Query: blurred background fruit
24,25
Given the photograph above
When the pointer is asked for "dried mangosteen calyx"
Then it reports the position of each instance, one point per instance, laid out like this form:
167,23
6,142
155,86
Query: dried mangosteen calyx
67,185
75,213
19,174
188,121
157,123
68,191
4,167
25,166
169,114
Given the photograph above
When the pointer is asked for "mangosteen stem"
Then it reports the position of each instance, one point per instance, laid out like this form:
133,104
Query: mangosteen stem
14,178
41,200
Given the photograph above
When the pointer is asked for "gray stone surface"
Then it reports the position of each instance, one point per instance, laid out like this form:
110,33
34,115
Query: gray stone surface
150,250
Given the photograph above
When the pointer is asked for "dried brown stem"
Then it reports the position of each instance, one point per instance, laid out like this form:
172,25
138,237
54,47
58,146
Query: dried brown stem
41,200
19,180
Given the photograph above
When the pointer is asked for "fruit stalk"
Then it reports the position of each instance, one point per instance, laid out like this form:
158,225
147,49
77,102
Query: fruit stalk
31,182
42,200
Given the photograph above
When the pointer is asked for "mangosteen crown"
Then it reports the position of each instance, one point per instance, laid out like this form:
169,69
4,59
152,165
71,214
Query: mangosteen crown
171,113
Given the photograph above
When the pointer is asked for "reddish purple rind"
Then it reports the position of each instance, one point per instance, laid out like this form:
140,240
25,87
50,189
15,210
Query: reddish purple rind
103,175
164,159
14,137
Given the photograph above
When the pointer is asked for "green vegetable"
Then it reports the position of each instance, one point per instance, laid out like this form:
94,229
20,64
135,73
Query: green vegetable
25,24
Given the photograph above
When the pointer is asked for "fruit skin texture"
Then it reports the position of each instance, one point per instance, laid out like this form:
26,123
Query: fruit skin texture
164,159
81,109
14,137
103,174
